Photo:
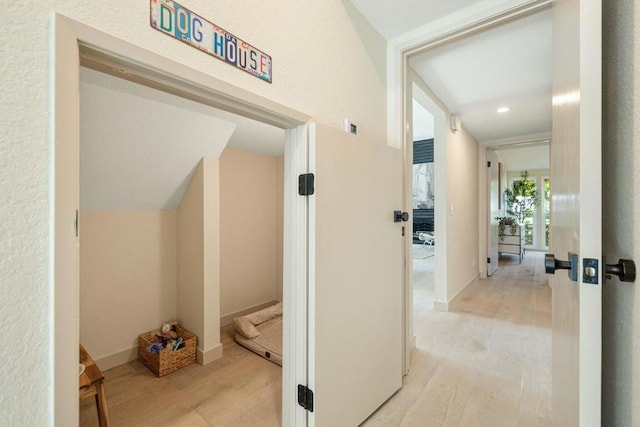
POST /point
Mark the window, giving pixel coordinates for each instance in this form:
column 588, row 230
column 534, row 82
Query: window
column 546, row 205
column 521, row 198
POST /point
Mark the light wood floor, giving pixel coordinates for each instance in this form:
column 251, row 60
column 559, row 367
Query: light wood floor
column 241, row 389
column 485, row 363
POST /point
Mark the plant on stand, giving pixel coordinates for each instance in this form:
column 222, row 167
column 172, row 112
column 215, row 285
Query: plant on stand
column 521, row 200
column 503, row 222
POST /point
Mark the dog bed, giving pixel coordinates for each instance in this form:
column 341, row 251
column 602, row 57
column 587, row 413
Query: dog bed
column 261, row 332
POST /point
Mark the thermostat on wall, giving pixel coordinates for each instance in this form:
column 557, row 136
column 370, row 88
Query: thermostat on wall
column 349, row 127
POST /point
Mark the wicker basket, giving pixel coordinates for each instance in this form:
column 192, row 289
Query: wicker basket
column 166, row 361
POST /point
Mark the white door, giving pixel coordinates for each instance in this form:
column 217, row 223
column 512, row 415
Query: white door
column 355, row 337
column 66, row 252
column 575, row 168
column 494, row 212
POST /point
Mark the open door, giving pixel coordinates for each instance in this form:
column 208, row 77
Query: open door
column 355, row 310
column 494, row 212
column 576, row 212
column 66, row 299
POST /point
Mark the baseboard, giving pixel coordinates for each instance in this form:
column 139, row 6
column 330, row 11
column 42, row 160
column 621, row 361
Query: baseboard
column 117, row 359
column 206, row 357
column 445, row 306
column 228, row 318
column 441, row 306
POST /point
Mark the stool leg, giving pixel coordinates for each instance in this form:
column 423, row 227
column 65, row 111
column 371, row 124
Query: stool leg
column 101, row 405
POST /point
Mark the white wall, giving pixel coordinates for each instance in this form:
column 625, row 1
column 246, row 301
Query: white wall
column 139, row 145
column 457, row 188
column 320, row 84
column 127, row 280
column 462, row 210
column 249, row 238
column 128, row 259
column 279, row 226
column 621, row 211
column 191, row 260
column 198, row 298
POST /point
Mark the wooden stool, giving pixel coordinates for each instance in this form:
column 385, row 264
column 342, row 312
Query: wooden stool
column 92, row 384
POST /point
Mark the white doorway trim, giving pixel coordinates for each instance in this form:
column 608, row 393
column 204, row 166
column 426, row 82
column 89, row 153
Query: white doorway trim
column 466, row 23
column 483, row 208
column 418, row 91
column 75, row 42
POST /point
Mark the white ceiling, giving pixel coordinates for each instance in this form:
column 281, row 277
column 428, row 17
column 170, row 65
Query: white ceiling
column 139, row 146
column 525, row 158
column 392, row 18
column 423, row 124
column 506, row 66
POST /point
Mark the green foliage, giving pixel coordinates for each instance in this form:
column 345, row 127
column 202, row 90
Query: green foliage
column 503, row 221
column 522, row 198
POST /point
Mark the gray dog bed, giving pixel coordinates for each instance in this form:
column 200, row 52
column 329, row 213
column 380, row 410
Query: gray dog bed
column 261, row 332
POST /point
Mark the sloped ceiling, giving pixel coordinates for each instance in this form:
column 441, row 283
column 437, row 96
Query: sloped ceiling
column 423, row 122
column 139, row 146
column 393, row 18
column 507, row 66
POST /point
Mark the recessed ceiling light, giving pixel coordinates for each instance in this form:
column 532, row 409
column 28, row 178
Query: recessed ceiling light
column 502, row 110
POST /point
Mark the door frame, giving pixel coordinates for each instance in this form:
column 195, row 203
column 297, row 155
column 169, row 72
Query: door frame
column 483, row 207
column 488, row 199
column 464, row 23
column 77, row 43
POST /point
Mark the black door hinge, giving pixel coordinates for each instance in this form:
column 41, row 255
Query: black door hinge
column 306, row 183
column 488, row 260
column 488, row 164
column 305, row 397
column 75, row 225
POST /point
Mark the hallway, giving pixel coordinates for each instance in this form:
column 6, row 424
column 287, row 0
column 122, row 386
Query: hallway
column 487, row 362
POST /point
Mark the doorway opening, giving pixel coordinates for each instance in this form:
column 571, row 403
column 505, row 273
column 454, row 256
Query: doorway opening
column 423, row 227
column 459, row 258
column 145, row 156
column 77, row 44
column 517, row 215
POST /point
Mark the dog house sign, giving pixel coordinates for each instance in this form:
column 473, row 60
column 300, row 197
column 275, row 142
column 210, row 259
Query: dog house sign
column 179, row 22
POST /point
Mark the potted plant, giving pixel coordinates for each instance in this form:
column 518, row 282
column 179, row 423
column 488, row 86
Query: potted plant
column 503, row 222
column 522, row 197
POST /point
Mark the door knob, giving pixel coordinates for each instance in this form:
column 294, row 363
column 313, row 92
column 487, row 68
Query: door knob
column 625, row 269
column 400, row 216
column 551, row 264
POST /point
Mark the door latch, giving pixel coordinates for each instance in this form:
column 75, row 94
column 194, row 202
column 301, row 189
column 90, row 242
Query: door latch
column 625, row 269
column 590, row 271
column 399, row 216
column 551, row 264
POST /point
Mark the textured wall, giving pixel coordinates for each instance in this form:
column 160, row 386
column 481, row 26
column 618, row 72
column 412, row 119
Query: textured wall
column 198, row 302
column 309, row 74
column 621, row 211
column 191, row 259
column 248, row 239
column 139, row 146
column 279, row 225
column 327, row 63
column 127, row 278
column 25, row 319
